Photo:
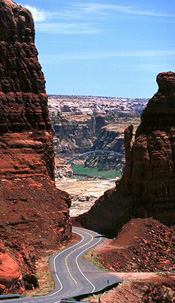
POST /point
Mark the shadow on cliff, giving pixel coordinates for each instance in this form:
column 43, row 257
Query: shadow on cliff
column 34, row 214
column 147, row 187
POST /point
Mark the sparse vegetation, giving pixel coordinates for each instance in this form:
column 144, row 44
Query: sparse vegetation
column 96, row 298
column 92, row 256
column 44, row 276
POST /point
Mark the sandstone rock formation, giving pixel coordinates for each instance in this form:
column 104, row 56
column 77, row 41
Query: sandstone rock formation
column 111, row 139
column 147, row 188
column 73, row 133
column 34, row 214
column 142, row 251
column 10, row 274
column 79, row 128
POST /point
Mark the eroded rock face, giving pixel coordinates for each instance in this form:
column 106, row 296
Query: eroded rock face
column 10, row 273
column 34, row 214
column 109, row 138
column 147, row 188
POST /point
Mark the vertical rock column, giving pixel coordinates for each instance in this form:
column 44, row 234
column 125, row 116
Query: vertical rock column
column 34, row 214
column 147, row 187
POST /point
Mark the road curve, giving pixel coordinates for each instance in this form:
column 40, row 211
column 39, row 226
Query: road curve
column 72, row 274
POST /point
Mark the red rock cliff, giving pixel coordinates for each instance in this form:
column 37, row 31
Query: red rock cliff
column 34, row 214
column 147, row 188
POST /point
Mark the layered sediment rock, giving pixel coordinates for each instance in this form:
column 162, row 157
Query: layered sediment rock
column 73, row 133
column 76, row 133
column 110, row 139
column 147, row 188
column 34, row 214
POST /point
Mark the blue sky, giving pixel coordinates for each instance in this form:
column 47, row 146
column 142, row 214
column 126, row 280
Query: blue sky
column 106, row 47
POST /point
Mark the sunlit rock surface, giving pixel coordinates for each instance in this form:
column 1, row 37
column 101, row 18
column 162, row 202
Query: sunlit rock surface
column 147, row 188
column 34, row 214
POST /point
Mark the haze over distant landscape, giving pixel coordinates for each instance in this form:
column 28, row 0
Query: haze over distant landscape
column 106, row 48
column 85, row 180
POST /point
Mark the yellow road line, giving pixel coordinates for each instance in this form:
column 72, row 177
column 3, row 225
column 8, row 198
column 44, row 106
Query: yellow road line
column 73, row 252
column 69, row 270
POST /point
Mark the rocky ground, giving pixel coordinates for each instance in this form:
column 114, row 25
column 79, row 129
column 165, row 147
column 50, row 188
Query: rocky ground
column 159, row 289
column 143, row 255
column 147, row 186
column 34, row 214
column 83, row 193
column 143, row 245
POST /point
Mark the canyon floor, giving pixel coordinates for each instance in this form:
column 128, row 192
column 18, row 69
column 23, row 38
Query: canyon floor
column 145, row 279
column 83, row 193
column 143, row 253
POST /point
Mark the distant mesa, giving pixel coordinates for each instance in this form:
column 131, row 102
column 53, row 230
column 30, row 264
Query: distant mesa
column 34, row 214
column 87, row 124
column 147, row 187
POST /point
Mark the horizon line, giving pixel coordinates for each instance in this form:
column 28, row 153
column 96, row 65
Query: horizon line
column 98, row 96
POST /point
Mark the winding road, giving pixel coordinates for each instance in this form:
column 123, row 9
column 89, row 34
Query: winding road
column 72, row 274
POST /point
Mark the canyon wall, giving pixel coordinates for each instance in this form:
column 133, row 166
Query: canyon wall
column 75, row 133
column 34, row 214
column 85, row 123
column 109, row 138
column 147, row 187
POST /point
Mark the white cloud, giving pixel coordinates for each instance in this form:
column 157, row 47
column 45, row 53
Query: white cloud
column 101, row 8
column 46, row 22
column 108, row 54
column 38, row 14
column 80, row 11
column 66, row 28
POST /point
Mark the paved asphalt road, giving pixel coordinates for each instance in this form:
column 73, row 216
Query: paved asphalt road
column 72, row 274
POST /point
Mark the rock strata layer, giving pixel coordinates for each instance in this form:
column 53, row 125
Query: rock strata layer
column 110, row 139
column 34, row 214
column 147, row 188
